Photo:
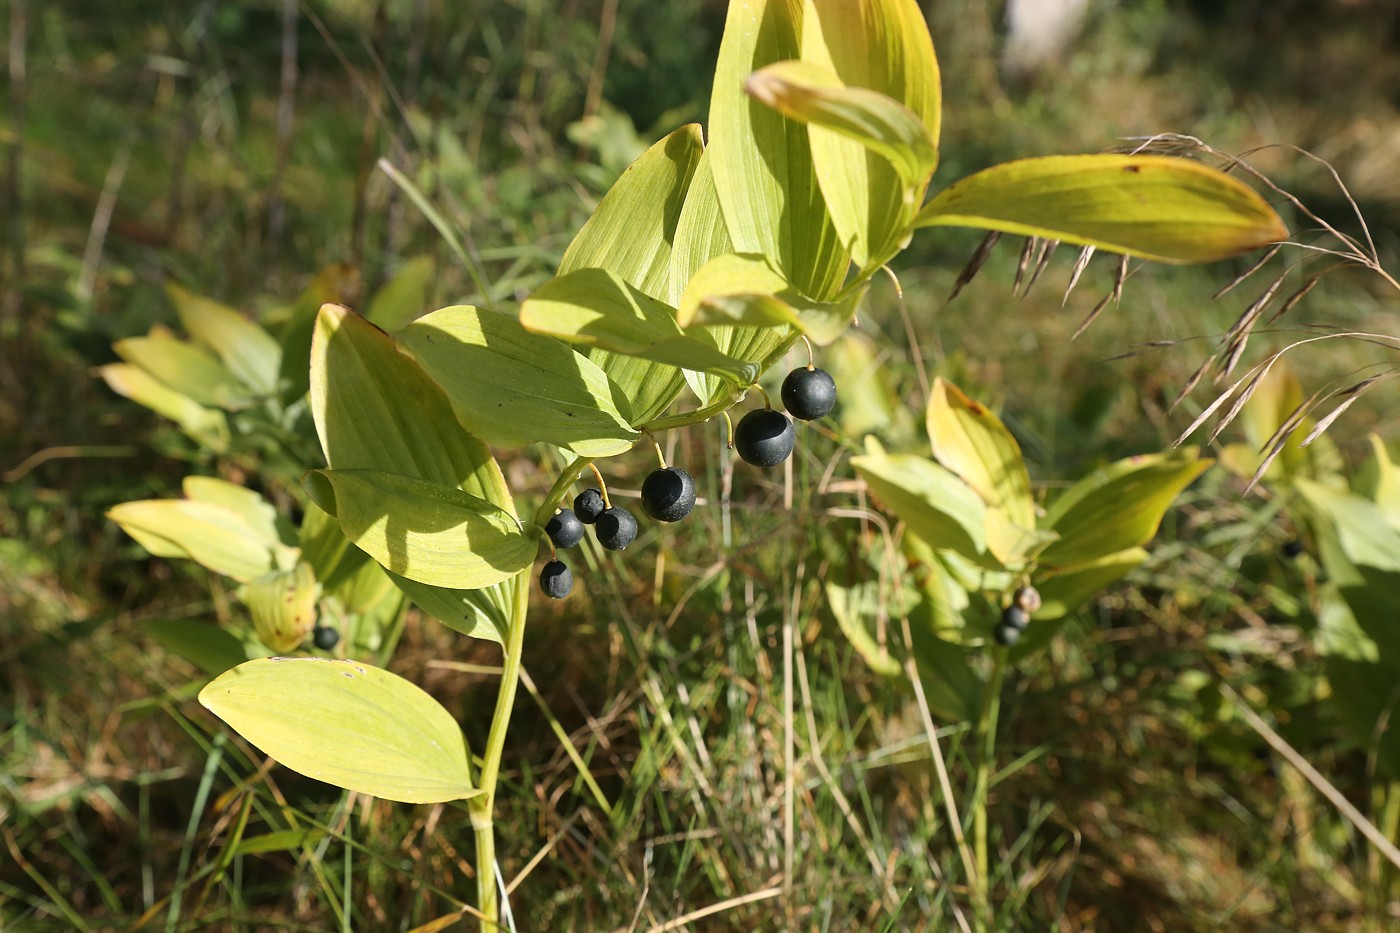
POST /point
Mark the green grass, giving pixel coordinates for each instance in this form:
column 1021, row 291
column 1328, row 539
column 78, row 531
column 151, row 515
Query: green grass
column 1126, row 795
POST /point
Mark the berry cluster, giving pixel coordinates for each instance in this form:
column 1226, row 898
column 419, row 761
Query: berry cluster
column 1015, row 617
column 763, row 437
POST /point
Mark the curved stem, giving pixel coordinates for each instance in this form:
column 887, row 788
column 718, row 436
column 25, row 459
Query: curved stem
column 717, row 407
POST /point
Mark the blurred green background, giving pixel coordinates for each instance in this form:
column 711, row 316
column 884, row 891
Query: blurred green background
column 232, row 148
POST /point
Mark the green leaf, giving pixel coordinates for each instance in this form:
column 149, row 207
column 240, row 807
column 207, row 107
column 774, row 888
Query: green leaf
column 405, row 297
column 1366, row 537
column 972, row 442
column 205, row 645
column 1011, row 543
column 376, row 409
column 205, row 425
column 1118, row 506
column 630, row 234
column 255, row 511
column 931, row 500
column 283, row 606
column 851, row 606
column 248, row 351
column 1387, row 482
column 348, row 724
column 427, row 532
column 735, row 276
column 211, row 535
column 762, row 161
column 336, row 284
column 1157, row 207
column 482, row 613
column 184, row 367
column 595, row 307
column 814, row 95
column 700, row 231
column 284, row 840
column 511, row 387
column 883, row 46
column 1071, row 587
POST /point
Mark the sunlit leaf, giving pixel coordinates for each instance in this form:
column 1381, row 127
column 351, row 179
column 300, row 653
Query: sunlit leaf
column 972, row 442
column 595, row 307
column 427, row 532
column 248, row 351
column 255, row 511
column 1117, row 507
column 283, row 606
column 348, row 724
column 205, row 425
column 1011, row 543
column 184, row 367
column 1366, row 538
column 1071, row 587
column 405, row 297
column 480, row 613
column 1157, row 207
column 931, row 500
column 762, row 161
column 511, row 387
column 211, row 535
column 851, row 607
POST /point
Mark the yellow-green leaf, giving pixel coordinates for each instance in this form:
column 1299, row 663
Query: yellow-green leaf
column 931, row 500
column 1118, row 507
column 213, row 536
column 1012, row 543
column 745, row 289
column 1068, row 588
column 972, row 442
column 186, row 368
column 205, row 425
column 283, row 606
column 1157, row 207
column 427, row 532
column 595, row 307
column 511, row 387
column 851, row 607
column 883, row 46
column 482, row 613
column 346, row 723
column 405, row 297
column 255, row 511
column 762, row 161
column 246, row 349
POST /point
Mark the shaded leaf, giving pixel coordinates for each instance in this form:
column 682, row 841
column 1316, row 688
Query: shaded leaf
column 427, row 532
column 348, row 724
column 1068, row 588
column 1118, row 507
column 206, row 646
column 1156, row 207
column 851, row 607
column 931, row 500
column 480, row 613
column 405, row 297
column 248, row 351
column 511, row 387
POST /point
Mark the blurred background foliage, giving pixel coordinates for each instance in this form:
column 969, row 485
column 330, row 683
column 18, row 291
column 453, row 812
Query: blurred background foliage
column 232, row 149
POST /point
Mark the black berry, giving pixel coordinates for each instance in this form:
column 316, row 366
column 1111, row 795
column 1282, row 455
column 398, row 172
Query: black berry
column 564, row 529
column 1292, row 549
column 325, row 637
column 1007, row 635
column 588, row 505
column 668, row 494
column 556, row 579
column 809, row 394
column 616, row 528
column 1028, row 598
column 764, row 438
column 1014, row 617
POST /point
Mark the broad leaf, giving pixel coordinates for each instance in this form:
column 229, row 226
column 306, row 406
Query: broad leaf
column 1366, row 538
column 1014, row 545
column 1387, row 482
column 348, row 724
column 1071, row 587
column 213, row 536
column 255, row 511
column 248, row 351
column 630, row 234
column 427, row 532
column 511, row 387
column 812, row 94
column 283, row 606
column 376, row 409
column 851, row 606
column 972, row 442
column 762, row 161
column 205, row 645
column 1117, row 507
column 404, row 298
column 205, row 425
column 482, row 613
column 883, row 46
column 700, row 232
column 595, row 307
column 930, row 500
column 1157, row 207
column 184, row 367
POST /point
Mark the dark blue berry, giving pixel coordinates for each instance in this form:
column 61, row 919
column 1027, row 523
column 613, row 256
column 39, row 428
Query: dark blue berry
column 325, row 637
column 616, row 528
column 809, row 394
column 588, row 505
column 564, row 529
column 556, row 579
column 668, row 494
column 764, row 438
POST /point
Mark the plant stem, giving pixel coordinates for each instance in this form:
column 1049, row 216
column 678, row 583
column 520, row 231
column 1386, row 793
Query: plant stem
column 482, row 806
column 986, row 754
